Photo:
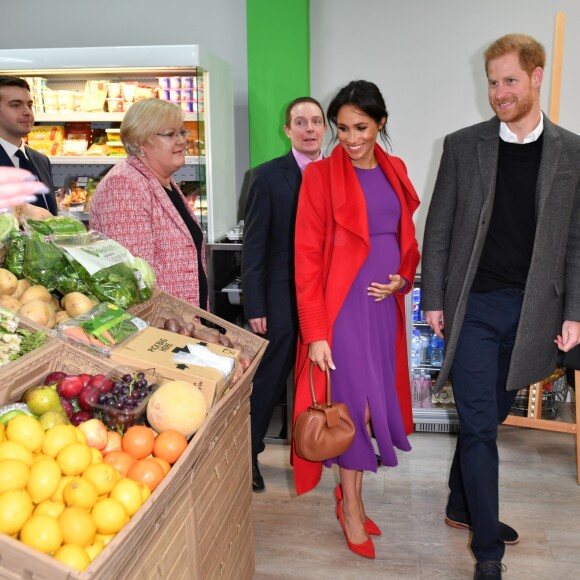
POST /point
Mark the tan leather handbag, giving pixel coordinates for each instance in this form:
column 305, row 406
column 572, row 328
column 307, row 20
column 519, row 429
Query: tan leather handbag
column 325, row 430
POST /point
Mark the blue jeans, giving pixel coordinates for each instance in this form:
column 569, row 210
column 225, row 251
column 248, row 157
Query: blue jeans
column 479, row 373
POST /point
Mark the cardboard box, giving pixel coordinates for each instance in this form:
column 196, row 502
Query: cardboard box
column 163, row 306
column 157, row 348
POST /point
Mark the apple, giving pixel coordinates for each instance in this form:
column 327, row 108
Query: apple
column 86, row 379
column 54, row 377
column 69, row 386
column 102, row 382
column 95, row 432
column 113, row 442
column 80, row 417
column 67, row 407
column 88, row 398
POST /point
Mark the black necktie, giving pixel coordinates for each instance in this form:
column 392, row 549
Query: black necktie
column 46, row 201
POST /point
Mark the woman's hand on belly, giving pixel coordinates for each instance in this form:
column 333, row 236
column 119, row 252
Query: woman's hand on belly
column 380, row 291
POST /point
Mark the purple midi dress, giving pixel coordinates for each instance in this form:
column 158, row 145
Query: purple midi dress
column 363, row 337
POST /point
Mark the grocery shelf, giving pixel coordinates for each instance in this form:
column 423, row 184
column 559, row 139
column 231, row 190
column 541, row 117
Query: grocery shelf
column 111, row 160
column 97, row 117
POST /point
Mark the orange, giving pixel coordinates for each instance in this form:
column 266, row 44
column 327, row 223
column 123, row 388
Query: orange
column 164, row 464
column 138, row 441
column 120, row 460
column 169, row 445
column 147, row 471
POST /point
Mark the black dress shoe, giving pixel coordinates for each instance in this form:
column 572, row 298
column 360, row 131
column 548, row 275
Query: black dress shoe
column 461, row 522
column 257, row 479
column 488, row 570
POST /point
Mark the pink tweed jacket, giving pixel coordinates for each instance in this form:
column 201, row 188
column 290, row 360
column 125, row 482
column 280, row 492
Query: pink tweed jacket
column 131, row 207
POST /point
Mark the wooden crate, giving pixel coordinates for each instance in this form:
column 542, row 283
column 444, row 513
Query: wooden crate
column 198, row 522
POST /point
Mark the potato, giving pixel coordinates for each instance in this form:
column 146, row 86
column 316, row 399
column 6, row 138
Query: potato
column 207, row 335
column 55, row 304
column 8, row 282
column 23, row 285
column 10, row 302
column 61, row 316
column 38, row 311
column 225, row 341
column 172, row 325
column 36, row 293
column 76, row 303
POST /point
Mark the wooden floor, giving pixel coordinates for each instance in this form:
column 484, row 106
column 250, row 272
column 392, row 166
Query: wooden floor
column 300, row 538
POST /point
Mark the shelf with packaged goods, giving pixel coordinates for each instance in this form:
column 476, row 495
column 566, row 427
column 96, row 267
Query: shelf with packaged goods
column 97, row 117
column 102, row 160
column 212, row 107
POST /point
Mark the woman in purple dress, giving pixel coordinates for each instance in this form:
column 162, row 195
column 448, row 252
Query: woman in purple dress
column 356, row 256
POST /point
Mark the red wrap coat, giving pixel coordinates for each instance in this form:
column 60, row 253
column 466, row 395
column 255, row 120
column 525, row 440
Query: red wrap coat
column 332, row 242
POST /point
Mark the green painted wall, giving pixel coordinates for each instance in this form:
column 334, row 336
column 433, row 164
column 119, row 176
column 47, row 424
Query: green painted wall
column 278, row 70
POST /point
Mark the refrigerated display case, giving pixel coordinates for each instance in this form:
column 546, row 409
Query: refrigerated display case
column 431, row 412
column 208, row 174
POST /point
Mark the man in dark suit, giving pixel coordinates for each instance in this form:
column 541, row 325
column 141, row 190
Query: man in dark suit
column 16, row 121
column 268, row 263
column 501, row 275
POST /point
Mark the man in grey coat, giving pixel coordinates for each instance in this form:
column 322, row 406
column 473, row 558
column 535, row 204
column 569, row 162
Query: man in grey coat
column 501, row 275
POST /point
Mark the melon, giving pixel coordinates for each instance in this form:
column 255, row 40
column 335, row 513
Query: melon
column 177, row 405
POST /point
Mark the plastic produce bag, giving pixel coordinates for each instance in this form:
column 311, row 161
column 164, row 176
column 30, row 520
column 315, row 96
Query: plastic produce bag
column 104, row 266
column 16, row 244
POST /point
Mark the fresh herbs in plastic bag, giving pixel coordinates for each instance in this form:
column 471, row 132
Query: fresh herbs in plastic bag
column 15, row 252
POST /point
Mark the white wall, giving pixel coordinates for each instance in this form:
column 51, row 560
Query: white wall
column 219, row 26
column 426, row 57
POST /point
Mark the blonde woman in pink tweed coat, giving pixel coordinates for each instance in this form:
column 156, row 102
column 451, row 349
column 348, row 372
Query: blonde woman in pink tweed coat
column 139, row 205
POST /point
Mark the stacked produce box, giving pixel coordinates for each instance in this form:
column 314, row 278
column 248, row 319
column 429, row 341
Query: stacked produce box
column 86, row 440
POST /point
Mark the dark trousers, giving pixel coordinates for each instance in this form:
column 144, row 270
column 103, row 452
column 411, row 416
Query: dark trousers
column 479, row 375
column 270, row 380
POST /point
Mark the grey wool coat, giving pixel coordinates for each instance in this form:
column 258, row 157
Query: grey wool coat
column 455, row 232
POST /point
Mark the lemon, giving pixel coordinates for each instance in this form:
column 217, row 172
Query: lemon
column 2, row 432
column 129, row 494
column 74, row 458
column 42, row 533
column 78, row 527
column 27, row 431
column 110, row 515
column 103, row 475
column 43, row 479
column 95, row 549
column 145, row 491
column 58, row 437
column 49, row 507
column 81, row 437
column 57, row 496
column 13, row 474
column 74, row 556
column 13, row 450
column 15, row 508
column 97, row 455
column 105, row 538
column 80, row 492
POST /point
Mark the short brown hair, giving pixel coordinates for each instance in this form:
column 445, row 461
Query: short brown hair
column 530, row 52
column 291, row 105
column 145, row 118
column 8, row 81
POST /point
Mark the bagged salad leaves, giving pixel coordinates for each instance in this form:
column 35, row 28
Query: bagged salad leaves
column 44, row 263
column 104, row 266
column 16, row 244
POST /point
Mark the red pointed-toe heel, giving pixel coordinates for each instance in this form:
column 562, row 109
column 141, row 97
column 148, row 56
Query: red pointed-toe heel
column 366, row 549
column 370, row 527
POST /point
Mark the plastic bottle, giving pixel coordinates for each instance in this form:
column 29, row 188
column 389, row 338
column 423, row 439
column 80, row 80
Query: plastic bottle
column 416, row 348
column 416, row 303
column 416, row 386
column 425, row 344
column 426, row 386
column 436, row 351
